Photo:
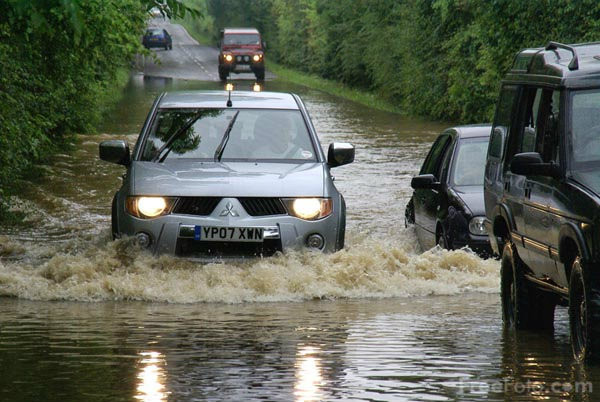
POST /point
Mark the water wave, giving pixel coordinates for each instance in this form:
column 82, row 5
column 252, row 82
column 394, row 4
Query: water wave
column 370, row 267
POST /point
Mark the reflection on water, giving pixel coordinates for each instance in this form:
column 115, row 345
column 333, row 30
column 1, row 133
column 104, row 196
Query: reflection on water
column 448, row 348
column 152, row 378
column 308, row 374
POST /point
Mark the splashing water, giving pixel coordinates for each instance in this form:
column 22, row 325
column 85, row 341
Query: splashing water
column 369, row 267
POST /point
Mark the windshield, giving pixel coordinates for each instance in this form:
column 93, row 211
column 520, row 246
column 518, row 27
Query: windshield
column 469, row 164
column 585, row 124
column 256, row 134
column 241, row 39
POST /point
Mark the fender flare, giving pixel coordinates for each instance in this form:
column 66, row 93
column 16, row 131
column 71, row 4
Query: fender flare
column 503, row 211
column 573, row 232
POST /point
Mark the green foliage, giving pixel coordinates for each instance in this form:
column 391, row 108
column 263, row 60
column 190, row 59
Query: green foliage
column 442, row 59
column 58, row 57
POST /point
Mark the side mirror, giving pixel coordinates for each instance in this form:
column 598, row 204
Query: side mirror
column 115, row 151
column 340, row 153
column 264, row 45
column 532, row 164
column 425, row 182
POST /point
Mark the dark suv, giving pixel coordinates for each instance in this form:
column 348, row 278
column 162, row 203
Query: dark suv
column 241, row 50
column 542, row 191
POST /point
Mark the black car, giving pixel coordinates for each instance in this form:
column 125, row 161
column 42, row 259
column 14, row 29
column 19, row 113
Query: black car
column 447, row 204
column 542, row 191
column 157, row 37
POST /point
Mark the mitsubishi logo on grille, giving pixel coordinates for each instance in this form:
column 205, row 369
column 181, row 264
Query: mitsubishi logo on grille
column 229, row 210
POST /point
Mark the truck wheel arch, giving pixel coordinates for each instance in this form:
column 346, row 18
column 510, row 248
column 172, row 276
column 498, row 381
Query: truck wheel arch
column 571, row 236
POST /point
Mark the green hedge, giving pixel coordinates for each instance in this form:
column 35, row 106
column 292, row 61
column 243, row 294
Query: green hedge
column 57, row 60
column 442, row 59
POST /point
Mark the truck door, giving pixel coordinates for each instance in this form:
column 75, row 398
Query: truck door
column 542, row 220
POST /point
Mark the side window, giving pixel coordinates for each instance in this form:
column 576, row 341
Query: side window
column 445, row 159
column 549, row 147
column 523, row 137
column 433, row 161
column 529, row 127
column 502, row 121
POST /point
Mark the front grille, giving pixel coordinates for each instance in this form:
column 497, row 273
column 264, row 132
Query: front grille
column 191, row 248
column 196, row 205
column 256, row 206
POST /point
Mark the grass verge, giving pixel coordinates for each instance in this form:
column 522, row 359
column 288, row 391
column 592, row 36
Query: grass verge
column 366, row 98
column 203, row 38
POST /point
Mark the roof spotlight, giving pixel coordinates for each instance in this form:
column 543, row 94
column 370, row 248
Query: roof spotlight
column 229, row 86
column 257, row 87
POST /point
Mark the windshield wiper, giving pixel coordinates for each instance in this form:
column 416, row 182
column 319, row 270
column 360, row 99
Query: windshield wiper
column 172, row 138
column 223, row 144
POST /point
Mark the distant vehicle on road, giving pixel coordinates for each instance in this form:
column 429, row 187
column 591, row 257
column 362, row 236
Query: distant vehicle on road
column 447, row 204
column 241, row 50
column 157, row 37
column 542, row 191
column 213, row 178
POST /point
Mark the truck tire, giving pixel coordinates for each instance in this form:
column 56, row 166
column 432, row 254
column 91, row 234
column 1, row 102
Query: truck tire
column 260, row 74
column 114, row 221
column 341, row 237
column 223, row 73
column 584, row 313
column 523, row 305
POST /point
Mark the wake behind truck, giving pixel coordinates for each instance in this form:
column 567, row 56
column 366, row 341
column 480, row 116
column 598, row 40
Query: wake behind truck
column 241, row 50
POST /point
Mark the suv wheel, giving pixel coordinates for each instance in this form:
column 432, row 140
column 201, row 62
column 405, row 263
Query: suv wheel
column 584, row 313
column 523, row 306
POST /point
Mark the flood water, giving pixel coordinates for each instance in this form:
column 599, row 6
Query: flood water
column 88, row 319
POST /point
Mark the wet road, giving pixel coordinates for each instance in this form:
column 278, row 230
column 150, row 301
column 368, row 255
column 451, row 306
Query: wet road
column 90, row 319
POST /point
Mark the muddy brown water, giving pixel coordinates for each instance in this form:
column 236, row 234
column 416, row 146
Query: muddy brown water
column 87, row 319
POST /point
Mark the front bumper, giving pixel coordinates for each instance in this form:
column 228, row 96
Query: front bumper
column 174, row 234
column 156, row 44
column 240, row 64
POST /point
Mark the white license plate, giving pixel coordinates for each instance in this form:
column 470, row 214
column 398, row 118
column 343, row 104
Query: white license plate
column 217, row 233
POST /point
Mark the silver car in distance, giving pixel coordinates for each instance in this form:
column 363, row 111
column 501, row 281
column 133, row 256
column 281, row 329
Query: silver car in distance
column 218, row 174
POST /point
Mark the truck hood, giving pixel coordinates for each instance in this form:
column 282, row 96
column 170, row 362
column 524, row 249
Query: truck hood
column 227, row 179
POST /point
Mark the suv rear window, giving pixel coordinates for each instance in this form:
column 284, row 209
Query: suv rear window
column 154, row 32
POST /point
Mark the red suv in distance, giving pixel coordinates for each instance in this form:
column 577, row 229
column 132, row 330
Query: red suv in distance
column 241, row 50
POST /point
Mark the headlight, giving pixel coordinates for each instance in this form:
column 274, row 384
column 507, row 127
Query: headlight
column 309, row 208
column 228, row 57
column 477, row 226
column 256, row 57
column 149, row 207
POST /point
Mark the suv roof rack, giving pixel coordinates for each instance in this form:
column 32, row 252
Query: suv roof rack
column 574, row 64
